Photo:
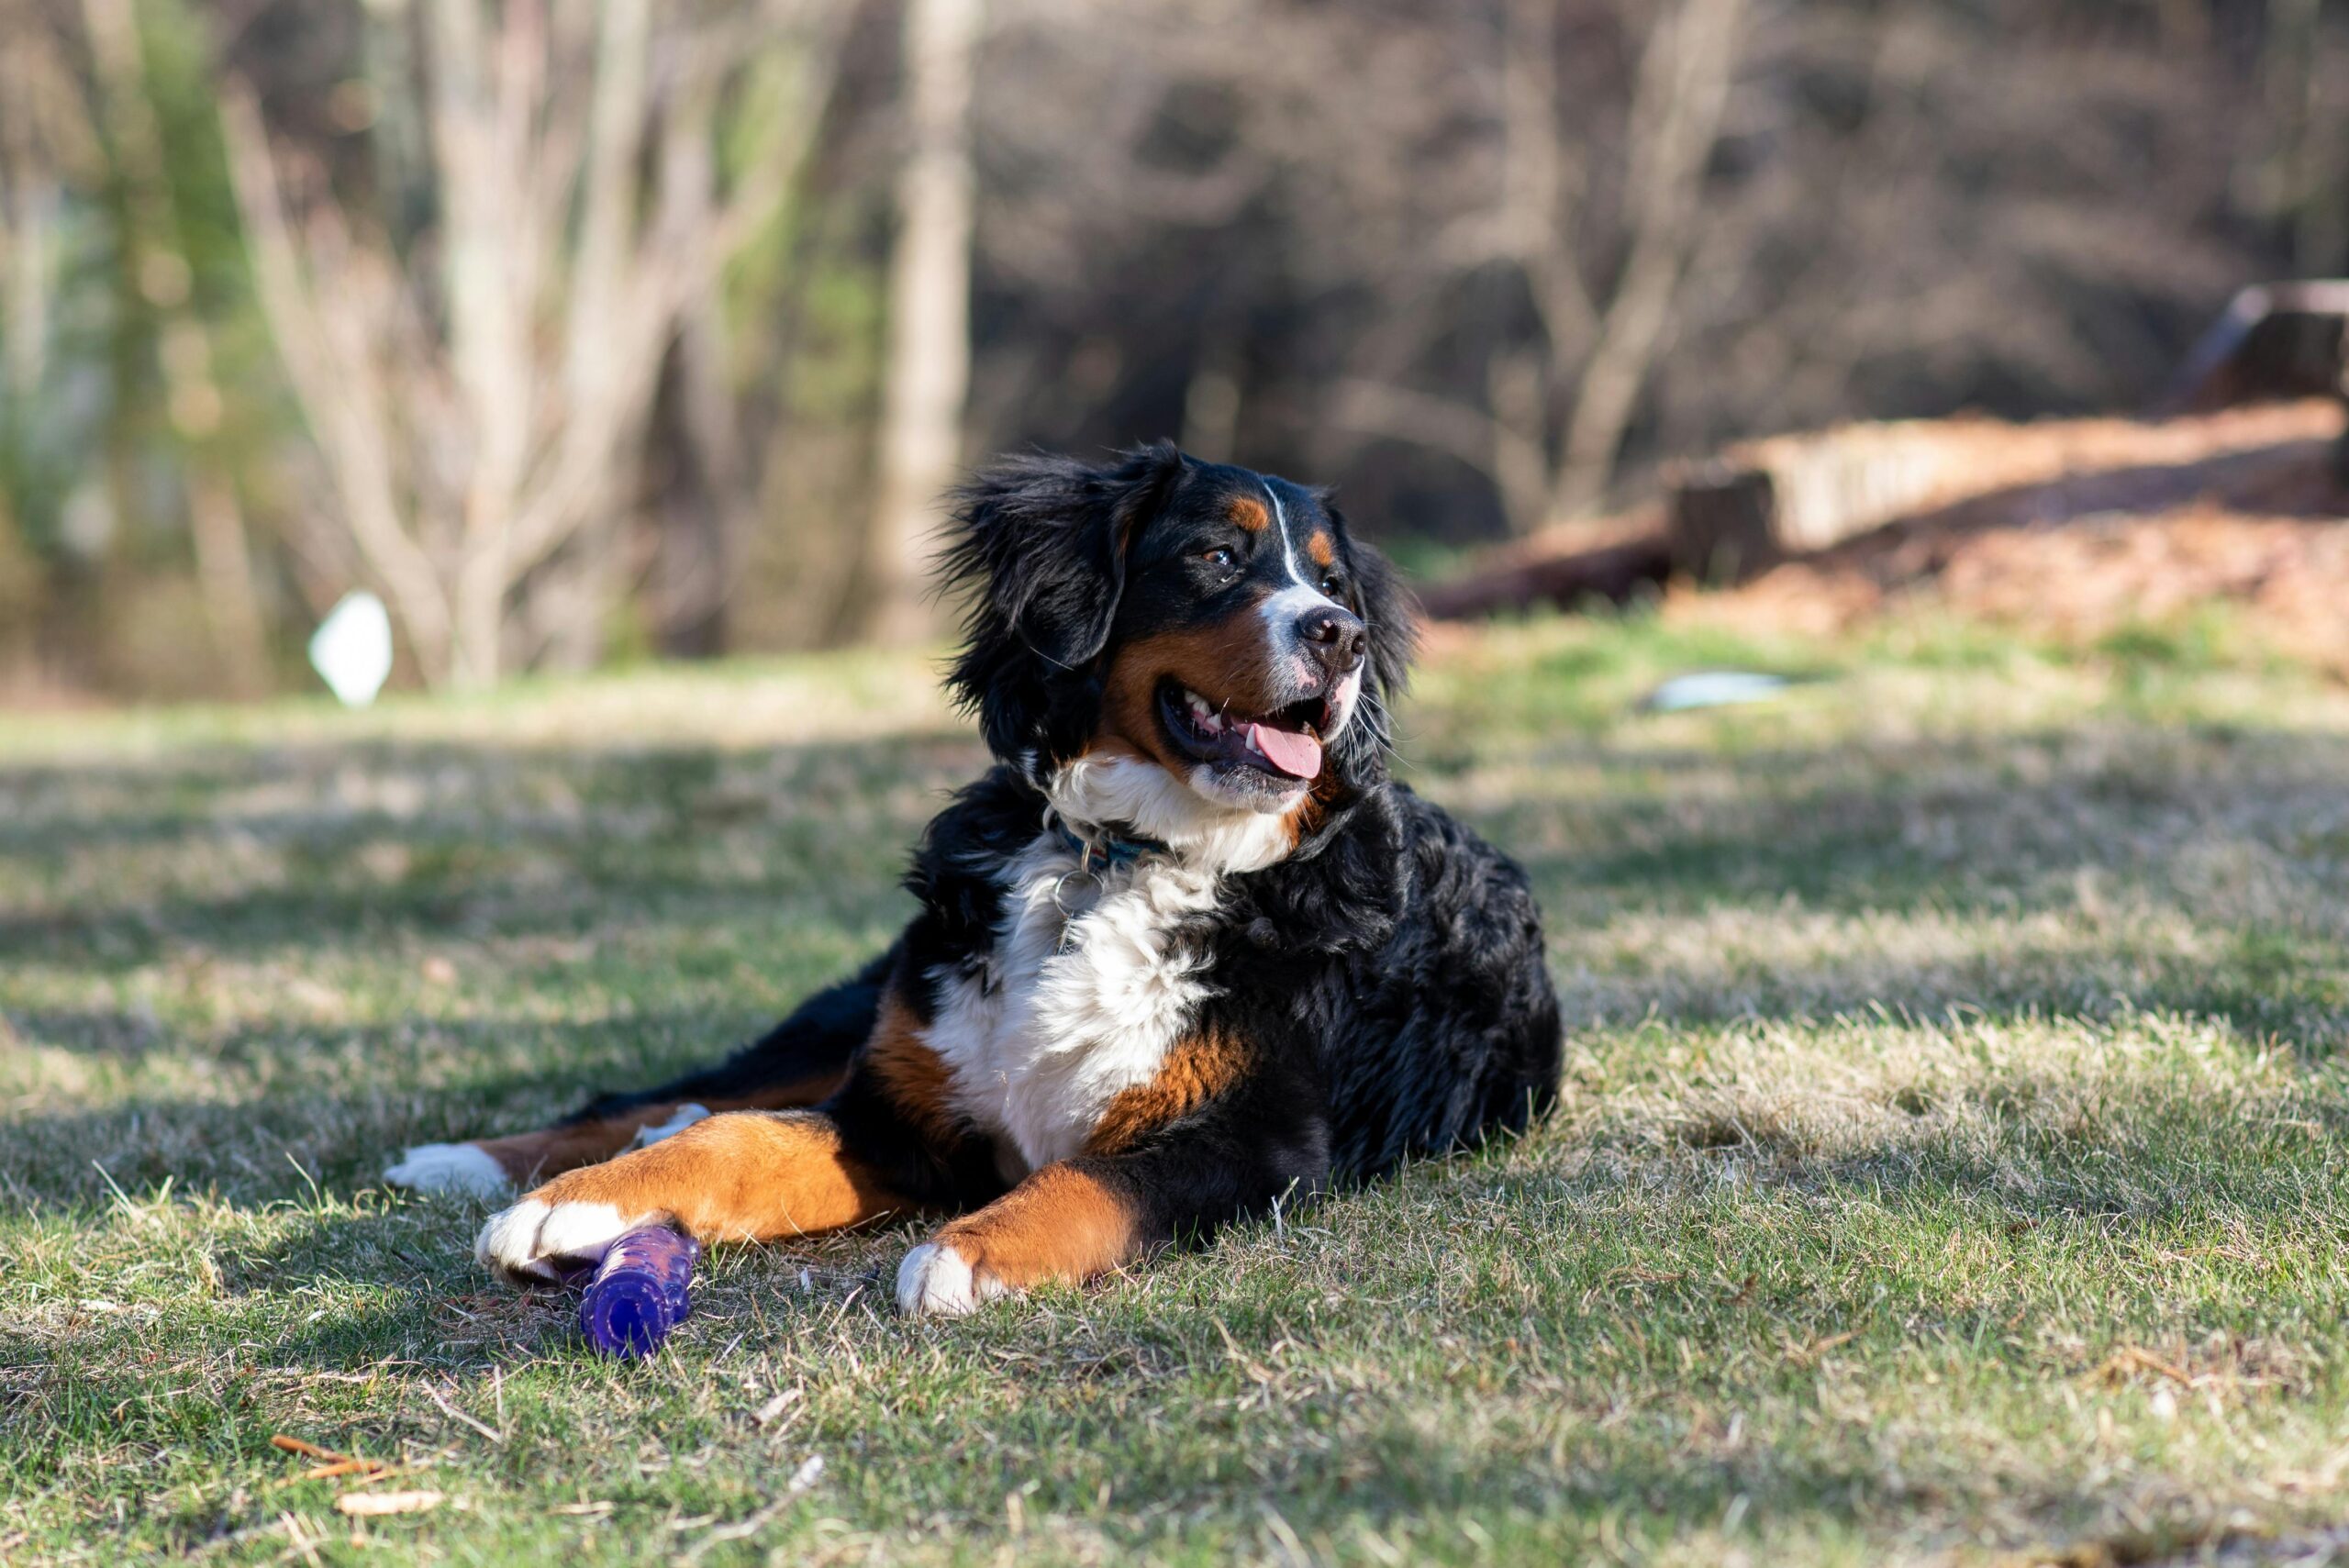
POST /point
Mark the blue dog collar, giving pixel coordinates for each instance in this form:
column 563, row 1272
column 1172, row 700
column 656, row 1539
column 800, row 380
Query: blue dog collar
column 1108, row 845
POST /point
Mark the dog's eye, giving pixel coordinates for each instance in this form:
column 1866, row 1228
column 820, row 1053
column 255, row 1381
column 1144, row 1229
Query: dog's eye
column 1222, row 556
column 1330, row 585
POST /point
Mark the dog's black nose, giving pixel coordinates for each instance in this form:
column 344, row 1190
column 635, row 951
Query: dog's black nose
column 1336, row 640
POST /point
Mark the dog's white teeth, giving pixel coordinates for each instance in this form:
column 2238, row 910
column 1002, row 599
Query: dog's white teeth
column 1203, row 712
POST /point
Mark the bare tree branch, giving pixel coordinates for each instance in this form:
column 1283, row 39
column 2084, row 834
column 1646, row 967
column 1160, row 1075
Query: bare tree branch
column 337, row 387
column 1684, row 80
column 482, row 451
column 929, row 333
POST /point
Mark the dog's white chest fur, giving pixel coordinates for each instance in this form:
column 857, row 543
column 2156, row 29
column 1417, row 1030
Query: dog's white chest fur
column 1090, row 982
column 1094, row 977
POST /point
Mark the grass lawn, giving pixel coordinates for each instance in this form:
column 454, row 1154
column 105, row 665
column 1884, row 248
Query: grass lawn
column 1950, row 1167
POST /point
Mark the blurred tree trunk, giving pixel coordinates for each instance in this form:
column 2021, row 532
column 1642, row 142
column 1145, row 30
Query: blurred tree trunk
column 1685, row 78
column 701, row 477
column 697, row 483
column 20, row 586
column 157, row 260
column 30, row 79
column 930, row 333
column 47, row 149
column 2301, row 179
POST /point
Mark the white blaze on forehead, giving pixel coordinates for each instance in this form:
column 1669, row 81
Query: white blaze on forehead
column 1285, row 609
column 1288, row 554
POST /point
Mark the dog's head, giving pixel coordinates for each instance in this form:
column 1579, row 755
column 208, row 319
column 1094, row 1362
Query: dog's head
column 1210, row 638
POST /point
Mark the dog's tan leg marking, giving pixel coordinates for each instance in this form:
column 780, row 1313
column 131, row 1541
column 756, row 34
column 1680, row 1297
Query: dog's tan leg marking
column 1072, row 1220
column 1063, row 1222
column 744, row 1176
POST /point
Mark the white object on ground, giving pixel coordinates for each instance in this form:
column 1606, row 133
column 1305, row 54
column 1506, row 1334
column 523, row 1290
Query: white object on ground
column 351, row 649
column 1714, row 688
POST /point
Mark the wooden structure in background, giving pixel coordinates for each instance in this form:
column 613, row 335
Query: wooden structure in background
column 1799, row 498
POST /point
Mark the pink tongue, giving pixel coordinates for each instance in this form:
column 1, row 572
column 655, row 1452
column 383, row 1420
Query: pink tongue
column 1291, row 750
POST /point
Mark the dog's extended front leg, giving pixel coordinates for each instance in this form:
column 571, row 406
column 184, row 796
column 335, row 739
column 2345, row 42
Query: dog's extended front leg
column 1077, row 1219
column 800, row 1061
column 742, row 1176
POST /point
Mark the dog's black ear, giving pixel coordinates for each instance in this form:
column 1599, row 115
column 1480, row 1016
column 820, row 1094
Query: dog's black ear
column 1038, row 548
column 1391, row 612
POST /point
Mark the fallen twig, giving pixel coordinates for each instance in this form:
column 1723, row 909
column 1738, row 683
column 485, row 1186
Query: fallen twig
column 335, row 1464
column 2118, row 1367
column 809, row 1470
column 308, row 1451
column 492, row 1433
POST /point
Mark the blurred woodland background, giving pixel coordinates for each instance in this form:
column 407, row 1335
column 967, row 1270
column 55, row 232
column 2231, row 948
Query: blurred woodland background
column 595, row 330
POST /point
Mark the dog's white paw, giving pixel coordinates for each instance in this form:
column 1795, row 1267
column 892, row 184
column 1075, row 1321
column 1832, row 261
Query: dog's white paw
column 539, row 1241
column 679, row 1119
column 465, row 1169
column 937, row 1281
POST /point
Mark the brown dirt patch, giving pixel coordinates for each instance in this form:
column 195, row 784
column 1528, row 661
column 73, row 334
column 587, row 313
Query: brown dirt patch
column 2087, row 526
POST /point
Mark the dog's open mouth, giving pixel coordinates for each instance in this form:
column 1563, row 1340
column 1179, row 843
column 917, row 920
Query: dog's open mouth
column 1284, row 745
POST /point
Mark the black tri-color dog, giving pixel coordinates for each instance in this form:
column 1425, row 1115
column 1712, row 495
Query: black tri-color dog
column 1183, row 954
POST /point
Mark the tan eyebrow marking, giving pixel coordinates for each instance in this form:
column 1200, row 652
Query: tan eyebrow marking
column 1322, row 549
column 1250, row 514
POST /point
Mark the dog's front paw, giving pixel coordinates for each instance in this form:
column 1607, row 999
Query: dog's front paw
column 547, row 1237
column 937, row 1280
column 465, row 1169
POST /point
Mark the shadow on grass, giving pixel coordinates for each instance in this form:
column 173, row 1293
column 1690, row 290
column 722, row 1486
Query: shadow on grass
column 332, row 847
column 1993, row 823
column 329, row 1108
column 326, row 846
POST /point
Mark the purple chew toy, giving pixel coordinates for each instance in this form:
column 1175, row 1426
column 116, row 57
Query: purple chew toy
column 642, row 1289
